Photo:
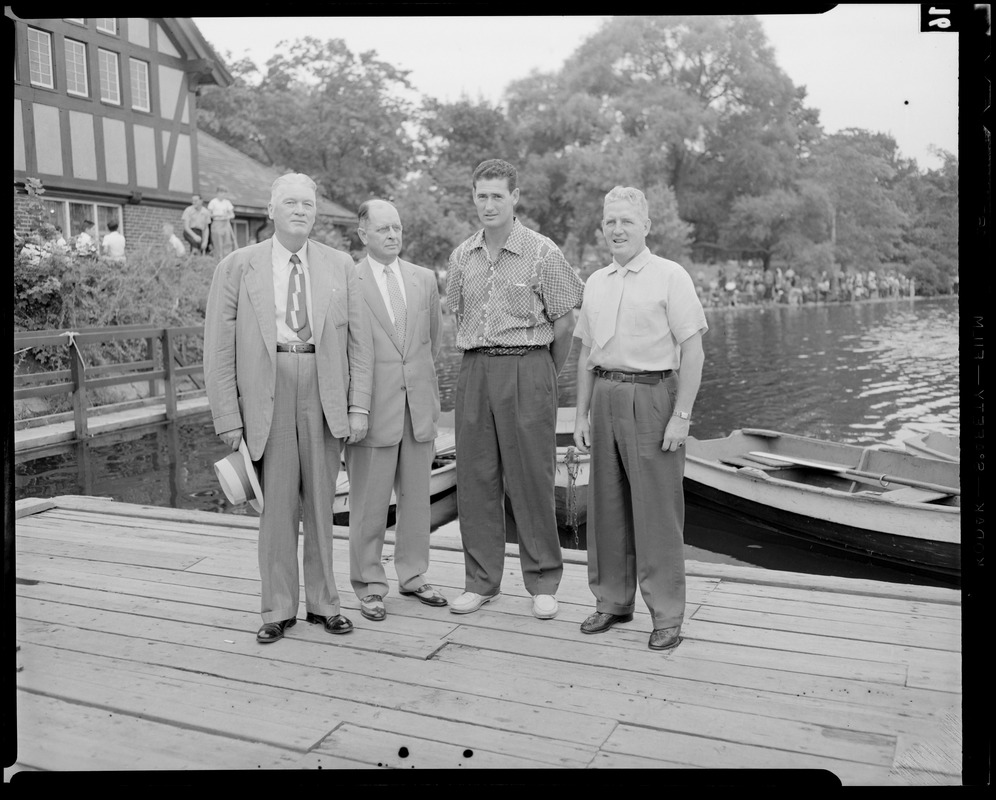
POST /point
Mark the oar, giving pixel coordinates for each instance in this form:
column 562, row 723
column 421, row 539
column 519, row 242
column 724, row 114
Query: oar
column 860, row 474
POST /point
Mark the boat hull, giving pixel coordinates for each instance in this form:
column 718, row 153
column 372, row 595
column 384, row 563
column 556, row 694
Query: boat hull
column 442, row 496
column 830, row 510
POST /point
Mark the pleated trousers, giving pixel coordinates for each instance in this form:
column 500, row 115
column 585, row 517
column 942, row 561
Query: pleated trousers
column 506, row 418
column 374, row 472
column 636, row 506
column 300, row 465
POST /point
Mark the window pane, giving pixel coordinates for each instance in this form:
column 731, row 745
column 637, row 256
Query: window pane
column 110, row 90
column 40, row 57
column 77, row 20
column 55, row 214
column 78, row 213
column 107, row 24
column 107, row 214
column 139, row 85
column 76, row 79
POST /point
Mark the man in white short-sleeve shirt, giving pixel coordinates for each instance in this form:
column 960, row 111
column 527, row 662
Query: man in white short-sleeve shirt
column 639, row 369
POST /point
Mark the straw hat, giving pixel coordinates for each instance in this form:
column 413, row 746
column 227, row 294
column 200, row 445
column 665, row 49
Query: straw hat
column 238, row 478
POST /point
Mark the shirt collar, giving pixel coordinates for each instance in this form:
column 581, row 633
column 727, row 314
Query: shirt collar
column 379, row 268
column 282, row 254
column 514, row 243
column 638, row 262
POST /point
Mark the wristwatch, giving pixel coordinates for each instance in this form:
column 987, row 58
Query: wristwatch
column 682, row 415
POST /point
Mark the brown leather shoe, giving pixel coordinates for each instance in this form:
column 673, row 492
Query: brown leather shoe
column 336, row 624
column 665, row 638
column 600, row 621
column 274, row 631
column 372, row 607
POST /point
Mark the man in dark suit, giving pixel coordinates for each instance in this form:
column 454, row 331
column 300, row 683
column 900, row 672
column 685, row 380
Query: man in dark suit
column 288, row 362
column 402, row 301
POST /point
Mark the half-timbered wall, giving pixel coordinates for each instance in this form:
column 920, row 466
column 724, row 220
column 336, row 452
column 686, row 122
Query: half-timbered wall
column 123, row 125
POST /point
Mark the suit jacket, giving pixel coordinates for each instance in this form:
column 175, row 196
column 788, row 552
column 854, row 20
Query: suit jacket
column 240, row 340
column 403, row 371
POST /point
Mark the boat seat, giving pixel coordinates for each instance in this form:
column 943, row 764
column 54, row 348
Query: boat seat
column 909, row 494
column 754, row 462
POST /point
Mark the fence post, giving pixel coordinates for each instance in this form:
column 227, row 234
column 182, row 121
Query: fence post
column 150, row 354
column 78, row 373
column 169, row 385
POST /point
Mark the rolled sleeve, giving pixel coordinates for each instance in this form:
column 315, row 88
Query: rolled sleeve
column 684, row 310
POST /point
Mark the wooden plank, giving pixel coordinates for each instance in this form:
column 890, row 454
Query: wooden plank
column 846, row 710
column 900, row 617
column 31, row 505
column 85, row 739
column 791, row 595
column 697, row 751
column 120, row 554
column 379, row 748
column 862, row 631
column 335, row 670
column 273, row 714
column 606, row 652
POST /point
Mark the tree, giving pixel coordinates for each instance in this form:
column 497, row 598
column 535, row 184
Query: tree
column 323, row 110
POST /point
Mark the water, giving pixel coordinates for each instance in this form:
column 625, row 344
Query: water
column 867, row 372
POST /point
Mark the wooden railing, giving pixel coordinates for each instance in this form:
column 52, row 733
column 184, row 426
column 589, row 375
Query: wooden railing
column 165, row 360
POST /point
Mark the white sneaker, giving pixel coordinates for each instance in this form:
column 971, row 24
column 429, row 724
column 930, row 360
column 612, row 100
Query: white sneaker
column 545, row 606
column 469, row 602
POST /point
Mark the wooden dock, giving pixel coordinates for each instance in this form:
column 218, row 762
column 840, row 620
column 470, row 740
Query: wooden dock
column 136, row 632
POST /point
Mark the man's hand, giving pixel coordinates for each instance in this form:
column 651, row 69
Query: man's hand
column 675, row 434
column 582, row 433
column 232, row 438
column 357, row 428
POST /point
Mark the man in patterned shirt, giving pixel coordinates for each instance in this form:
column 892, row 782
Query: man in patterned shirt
column 513, row 293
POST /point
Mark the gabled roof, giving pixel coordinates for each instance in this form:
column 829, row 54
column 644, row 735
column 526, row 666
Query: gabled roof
column 209, row 68
column 248, row 181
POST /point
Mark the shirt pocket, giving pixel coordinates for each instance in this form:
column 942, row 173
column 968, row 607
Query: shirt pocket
column 523, row 302
column 644, row 319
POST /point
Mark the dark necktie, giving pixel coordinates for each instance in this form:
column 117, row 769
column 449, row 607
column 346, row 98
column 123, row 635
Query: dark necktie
column 297, row 301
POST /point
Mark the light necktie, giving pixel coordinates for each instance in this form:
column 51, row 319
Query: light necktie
column 397, row 304
column 605, row 324
column 297, row 301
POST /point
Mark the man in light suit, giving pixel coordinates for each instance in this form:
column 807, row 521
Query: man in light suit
column 288, row 363
column 402, row 301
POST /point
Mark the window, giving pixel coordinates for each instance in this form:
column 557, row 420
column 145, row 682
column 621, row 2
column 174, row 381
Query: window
column 40, row 58
column 76, row 77
column 76, row 20
column 139, row 85
column 107, row 25
column 110, row 89
column 70, row 215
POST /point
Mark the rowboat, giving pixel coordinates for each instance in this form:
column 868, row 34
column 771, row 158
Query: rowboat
column 888, row 505
column 935, row 444
column 442, row 486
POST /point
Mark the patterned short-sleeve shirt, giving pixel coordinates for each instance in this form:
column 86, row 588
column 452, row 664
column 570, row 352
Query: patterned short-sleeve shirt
column 513, row 300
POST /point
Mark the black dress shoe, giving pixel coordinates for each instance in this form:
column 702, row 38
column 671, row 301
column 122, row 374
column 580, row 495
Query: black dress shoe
column 336, row 624
column 273, row 631
column 600, row 621
column 665, row 638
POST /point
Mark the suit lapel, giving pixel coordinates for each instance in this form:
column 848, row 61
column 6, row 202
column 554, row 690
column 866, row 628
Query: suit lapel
column 413, row 300
column 322, row 289
column 259, row 286
column 375, row 301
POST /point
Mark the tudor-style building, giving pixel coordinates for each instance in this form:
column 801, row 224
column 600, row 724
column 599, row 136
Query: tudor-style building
column 105, row 115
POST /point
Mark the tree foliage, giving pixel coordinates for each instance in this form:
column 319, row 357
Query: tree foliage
column 694, row 110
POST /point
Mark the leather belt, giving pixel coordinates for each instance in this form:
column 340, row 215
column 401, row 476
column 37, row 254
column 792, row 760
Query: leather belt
column 295, row 348
column 650, row 378
column 508, row 351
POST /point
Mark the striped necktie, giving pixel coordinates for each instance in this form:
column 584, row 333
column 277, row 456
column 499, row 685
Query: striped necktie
column 297, row 301
column 397, row 304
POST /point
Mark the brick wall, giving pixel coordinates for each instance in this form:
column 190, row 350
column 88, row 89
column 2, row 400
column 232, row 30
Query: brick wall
column 143, row 224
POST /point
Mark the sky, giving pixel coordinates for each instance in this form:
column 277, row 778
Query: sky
column 864, row 65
